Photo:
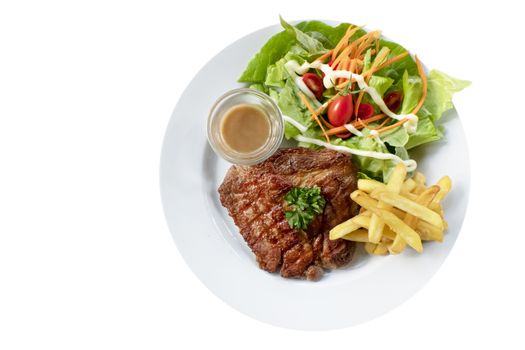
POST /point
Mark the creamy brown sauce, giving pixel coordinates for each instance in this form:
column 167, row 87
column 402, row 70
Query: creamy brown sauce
column 245, row 128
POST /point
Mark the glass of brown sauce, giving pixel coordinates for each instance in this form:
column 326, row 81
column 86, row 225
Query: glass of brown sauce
column 245, row 126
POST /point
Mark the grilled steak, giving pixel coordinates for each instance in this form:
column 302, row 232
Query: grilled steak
column 254, row 197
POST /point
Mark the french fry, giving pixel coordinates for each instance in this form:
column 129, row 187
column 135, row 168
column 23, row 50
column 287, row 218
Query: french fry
column 408, row 186
column 368, row 185
column 396, row 224
column 418, row 189
column 429, row 232
column 445, row 184
column 400, row 213
column 397, row 178
column 424, row 199
column 394, row 185
column 370, row 247
column 359, row 235
column 411, row 207
column 348, row 226
column 398, row 245
column 381, row 249
column 389, row 234
column 436, row 207
column 419, row 178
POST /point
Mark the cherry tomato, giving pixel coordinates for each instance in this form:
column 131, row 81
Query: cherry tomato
column 393, row 100
column 315, row 84
column 365, row 111
column 341, row 110
column 344, row 136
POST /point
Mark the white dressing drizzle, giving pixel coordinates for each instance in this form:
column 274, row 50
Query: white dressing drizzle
column 410, row 163
column 375, row 135
column 293, row 69
column 353, row 129
column 329, row 80
column 295, row 123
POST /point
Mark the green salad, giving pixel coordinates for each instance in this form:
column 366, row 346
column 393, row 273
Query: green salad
column 351, row 90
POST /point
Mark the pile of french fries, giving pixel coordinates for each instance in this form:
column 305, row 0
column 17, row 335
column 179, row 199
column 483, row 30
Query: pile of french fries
column 396, row 214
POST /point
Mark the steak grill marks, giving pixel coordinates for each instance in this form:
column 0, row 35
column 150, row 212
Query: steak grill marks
column 254, row 198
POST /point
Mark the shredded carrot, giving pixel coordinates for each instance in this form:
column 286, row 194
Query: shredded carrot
column 344, row 65
column 358, row 124
column 353, row 65
column 357, row 43
column 377, row 61
column 393, row 126
column 423, row 76
column 366, row 43
column 364, row 46
column 358, row 101
column 381, row 55
column 387, row 63
column 344, row 54
column 360, row 121
column 352, row 68
column 344, row 40
column 382, row 124
column 314, row 116
column 327, row 124
column 372, row 119
column 324, row 56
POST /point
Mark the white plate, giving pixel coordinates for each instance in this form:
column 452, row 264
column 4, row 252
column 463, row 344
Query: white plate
column 190, row 174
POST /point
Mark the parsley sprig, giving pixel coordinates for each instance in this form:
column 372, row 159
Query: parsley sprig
column 303, row 204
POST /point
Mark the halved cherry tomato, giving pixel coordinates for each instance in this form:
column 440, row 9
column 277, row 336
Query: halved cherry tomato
column 393, row 100
column 341, row 110
column 315, row 84
column 344, row 136
column 365, row 111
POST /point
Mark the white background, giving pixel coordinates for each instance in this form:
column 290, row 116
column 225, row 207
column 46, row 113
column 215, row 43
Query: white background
column 86, row 259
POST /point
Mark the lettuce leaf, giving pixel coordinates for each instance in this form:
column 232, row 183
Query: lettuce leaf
column 440, row 90
column 275, row 48
column 309, row 43
column 412, row 91
column 381, row 84
column 397, row 69
column 426, row 131
column 281, row 43
column 373, row 168
column 441, row 87
column 396, row 138
column 309, row 39
column 290, row 104
column 260, row 87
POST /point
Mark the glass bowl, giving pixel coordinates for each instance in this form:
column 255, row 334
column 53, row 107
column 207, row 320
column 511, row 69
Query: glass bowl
column 245, row 96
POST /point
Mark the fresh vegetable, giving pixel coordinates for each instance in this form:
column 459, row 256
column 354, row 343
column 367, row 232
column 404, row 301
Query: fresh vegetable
column 315, row 84
column 393, row 100
column 365, row 111
column 386, row 67
column 303, row 203
column 341, row 110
